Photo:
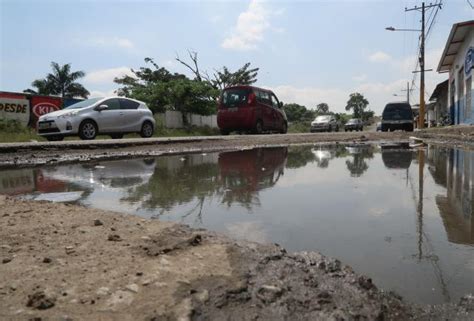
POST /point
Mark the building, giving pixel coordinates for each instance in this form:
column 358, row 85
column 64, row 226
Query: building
column 438, row 107
column 457, row 60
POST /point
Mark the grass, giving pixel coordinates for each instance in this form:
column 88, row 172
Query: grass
column 12, row 132
column 299, row 127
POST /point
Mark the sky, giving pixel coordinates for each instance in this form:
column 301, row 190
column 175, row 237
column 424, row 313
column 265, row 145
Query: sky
column 308, row 52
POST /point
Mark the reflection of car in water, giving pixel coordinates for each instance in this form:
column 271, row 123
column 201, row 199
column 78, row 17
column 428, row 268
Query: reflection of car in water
column 253, row 169
column 397, row 156
column 119, row 173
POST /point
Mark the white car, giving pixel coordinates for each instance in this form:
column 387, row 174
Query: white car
column 114, row 116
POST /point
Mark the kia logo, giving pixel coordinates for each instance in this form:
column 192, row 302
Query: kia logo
column 44, row 108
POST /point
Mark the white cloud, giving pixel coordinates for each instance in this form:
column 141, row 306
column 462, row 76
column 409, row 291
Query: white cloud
column 106, row 42
column 98, row 93
column 106, row 76
column 380, row 56
column 360, row 78
column 250, row 28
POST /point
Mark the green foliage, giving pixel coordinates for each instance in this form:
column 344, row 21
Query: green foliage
column 162, row 90
column 342, row 118
column 295, row 112
column 357, row 103
column 60, row 82
column 242, row 76
column 322, row 108
column 14, row 131
column 299, row 127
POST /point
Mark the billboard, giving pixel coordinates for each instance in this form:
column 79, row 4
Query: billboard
column 15, row 107
column 43, row 105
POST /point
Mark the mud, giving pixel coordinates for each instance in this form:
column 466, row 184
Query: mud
column 63, row 264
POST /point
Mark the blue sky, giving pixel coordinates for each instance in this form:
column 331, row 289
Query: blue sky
column 308, row 51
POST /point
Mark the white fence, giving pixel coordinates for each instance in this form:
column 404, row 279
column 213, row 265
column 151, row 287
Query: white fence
column 174, row 119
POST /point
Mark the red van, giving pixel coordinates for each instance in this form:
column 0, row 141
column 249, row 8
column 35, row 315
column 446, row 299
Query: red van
column 250, row 109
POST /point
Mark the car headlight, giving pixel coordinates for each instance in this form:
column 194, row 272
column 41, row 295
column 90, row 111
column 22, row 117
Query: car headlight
column 68, row 115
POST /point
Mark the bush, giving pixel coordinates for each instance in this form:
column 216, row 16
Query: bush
column 299, row 127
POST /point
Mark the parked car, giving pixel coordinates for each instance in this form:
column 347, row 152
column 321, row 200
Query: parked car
column 354, row 124
column 250, row 109
column 397, row 116
column 114, row 116
column 325, row 123
column 378, row 127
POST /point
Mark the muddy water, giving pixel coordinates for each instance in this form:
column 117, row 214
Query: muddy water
column 401, row 216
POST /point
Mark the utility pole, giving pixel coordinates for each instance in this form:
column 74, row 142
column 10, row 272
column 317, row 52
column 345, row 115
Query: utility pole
column 408, row 91
column 423, row 8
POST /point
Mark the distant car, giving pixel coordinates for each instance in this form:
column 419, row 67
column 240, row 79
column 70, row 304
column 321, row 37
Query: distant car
column 354, row 124
column 325, row 123
column 379, row 127
column 114, row 116
column 250, row 109
column 397, row 115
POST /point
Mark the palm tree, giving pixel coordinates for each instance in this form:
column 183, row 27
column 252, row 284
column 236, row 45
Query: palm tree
column 60, row 82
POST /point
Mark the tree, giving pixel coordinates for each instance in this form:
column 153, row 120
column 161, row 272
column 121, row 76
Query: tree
column 60, row 82
column 357, row 103
column 295, row 112
column 242, row 76
column 322, row 108
column 221, row 78
column 162, row 90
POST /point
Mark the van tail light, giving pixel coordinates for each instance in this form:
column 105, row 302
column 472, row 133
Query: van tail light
column 251, row 99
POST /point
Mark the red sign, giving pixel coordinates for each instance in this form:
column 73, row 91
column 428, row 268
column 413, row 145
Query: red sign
column 43, row 105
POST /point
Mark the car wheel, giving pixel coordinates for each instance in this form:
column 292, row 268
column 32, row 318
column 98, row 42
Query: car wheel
column 284, row 128
column 259, row 127
column 55, row 138
column 87, row 130
column 147, row 129
column 116, row 136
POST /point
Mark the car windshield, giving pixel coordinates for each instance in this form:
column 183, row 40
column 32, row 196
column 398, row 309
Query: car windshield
column 322, row 118
column 397, row 111
column 84, row 103
column 234, row 97
column 353, row 121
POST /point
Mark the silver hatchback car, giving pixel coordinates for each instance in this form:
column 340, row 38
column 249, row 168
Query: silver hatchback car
column 114, row 116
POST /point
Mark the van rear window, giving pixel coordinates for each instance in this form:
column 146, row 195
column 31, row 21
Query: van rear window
column 234, row 97
column 397, row 111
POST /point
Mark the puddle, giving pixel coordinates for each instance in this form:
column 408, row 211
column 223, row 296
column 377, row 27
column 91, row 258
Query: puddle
column 403, row 216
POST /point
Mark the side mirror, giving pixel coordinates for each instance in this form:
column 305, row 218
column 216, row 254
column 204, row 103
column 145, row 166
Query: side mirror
column 280, row 105
column 101, row 107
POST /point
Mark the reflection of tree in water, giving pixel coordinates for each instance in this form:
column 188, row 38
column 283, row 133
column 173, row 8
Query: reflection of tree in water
column 299, row 156
column 237, row 178
column 358, row 166
column 170, row 187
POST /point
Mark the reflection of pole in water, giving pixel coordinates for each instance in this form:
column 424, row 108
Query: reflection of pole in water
column 421, row 165
column 431, row 257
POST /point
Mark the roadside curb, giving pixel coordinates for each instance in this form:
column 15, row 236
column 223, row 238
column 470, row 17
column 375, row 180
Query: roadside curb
column 106, row 143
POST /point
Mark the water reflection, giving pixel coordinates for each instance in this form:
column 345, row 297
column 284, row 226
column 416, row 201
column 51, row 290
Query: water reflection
column 453, row 169
column 397, row 156
column 358, row 165
column 401, row 215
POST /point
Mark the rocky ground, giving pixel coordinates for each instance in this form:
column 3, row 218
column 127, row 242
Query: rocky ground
column 66, row 262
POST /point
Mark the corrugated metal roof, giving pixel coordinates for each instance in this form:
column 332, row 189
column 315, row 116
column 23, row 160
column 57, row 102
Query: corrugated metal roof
column 454, row 43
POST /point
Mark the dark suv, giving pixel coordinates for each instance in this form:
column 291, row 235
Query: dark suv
column 250, row 109
column 397, row 116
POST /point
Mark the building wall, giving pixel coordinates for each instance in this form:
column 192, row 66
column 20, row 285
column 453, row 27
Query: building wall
column 462, row 114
